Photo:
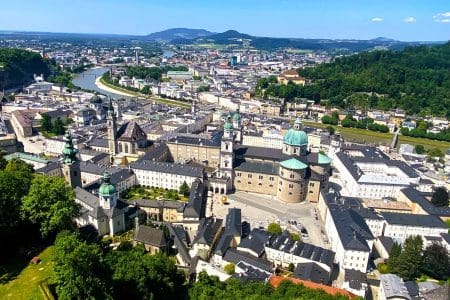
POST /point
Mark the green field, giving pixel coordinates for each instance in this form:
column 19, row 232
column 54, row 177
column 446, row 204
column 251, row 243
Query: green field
column 210, row 46
column 367, row 136
column 26, row 284
column 153, row 98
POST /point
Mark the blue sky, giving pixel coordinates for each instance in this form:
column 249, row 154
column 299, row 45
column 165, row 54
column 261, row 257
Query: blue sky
column 362, row 19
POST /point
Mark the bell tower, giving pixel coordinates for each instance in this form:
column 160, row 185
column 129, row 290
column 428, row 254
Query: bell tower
column 71, row 165
column 226, row 151
column 111, row 121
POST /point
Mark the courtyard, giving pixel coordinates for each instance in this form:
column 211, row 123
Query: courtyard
column 155, row 193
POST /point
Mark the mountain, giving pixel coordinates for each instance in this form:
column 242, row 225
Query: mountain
column 178, row 33
column 233, row 37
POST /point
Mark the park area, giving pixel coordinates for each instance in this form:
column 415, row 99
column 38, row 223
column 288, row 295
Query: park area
column 31, row 282
column 139, row 192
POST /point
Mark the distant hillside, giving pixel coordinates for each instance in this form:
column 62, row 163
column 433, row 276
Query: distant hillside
column 416, row 79
column 269, row 43
column 18, row 66
column 178, row 33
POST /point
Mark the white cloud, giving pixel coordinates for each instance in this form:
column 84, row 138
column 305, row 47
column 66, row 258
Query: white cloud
column 409, row 20
column 377, row 19
column 442, row 17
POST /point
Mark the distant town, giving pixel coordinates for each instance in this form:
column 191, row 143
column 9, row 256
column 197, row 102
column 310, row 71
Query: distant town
column 190, row 150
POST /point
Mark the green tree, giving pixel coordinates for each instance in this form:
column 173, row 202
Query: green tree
column 291, row 267
column 79, row 271
column 46, row 123
column 229, row 268
column 184, row 189
column 392, row 262
column 410, row 259
column 50, row 203
column 295, row 236
column 440, row 197
column 436, row 262
column 3, row 161
column 435, row 152
column 274, row 228
column 330, row 130
column 58, row 127
column 419, row 149
column 17, row 165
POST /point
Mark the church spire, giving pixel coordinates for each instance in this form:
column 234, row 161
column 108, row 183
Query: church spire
column 69, row 152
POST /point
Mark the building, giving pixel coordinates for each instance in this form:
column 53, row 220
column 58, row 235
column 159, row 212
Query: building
column 291, row 76
column 153, row 239
column 105, row 212
column 392, row 287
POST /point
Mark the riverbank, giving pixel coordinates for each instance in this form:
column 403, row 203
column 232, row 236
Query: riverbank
column 102, row 84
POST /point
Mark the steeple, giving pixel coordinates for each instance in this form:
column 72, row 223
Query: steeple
column 69, row 152
column 71, row 166
column 112, row 129
column 107, row 192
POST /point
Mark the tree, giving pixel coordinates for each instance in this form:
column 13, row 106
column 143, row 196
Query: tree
column 419, row 149
column 3, row 161
column 295, row 236
column 50, row 203
column 184, row 189
column 58, row 127
column 79, row 271
column 291, row 267
column 409, row 261
column 435, row 152
column 46, row 123
column 229, row 268
column 274, row 228
column 436, row 262
column 440, row 197
column 392, row 262
column 17, row 165
column 330, row 130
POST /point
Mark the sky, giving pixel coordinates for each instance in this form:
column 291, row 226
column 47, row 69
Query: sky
column 407, row 20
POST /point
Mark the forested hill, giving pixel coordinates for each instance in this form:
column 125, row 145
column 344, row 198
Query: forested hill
column 416, row 79
column 18, row 66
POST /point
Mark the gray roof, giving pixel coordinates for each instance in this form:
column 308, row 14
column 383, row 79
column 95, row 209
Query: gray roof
column 86, row 197
column 394, row 286
column 48, row 168
column 179, row 236
column 355, row 278
column 233, row 222
column 413, row 220
column 251, row 273
column 150, row 236
column 258, row 152
column 223, row 244
column 255, row 241
column 446, row 237
column 195, row 208
column 93, row 168
column 387, row 242
column 298, row 248
column 207, row 230
column 311, row 272
column 171, row 168
column 235, row 256
column 99, row 142
column 214, row 141
column 418, row 197
column 442, row 292
column 255, row 166
column 158, row 203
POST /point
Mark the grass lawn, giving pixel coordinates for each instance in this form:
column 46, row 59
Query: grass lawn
column 154, row 98
column 151, row 194
column 26, row 284
column 367, row 136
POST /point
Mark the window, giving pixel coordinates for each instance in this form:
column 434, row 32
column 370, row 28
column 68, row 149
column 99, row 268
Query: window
column 271, row 178
column 249, row 176
column 238, row 174
column 281, row 183
column 261, row 177
column 249, row 182
column 292, row 176
column 291, row 186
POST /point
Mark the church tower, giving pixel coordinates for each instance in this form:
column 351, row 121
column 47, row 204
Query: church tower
column 237, row 124
column 226, row 152
column 111, row 120
column 71, row 165
column 107, row 192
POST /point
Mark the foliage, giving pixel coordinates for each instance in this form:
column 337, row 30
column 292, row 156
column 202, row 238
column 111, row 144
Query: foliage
column 435, row 152
column 295, row 236
column 58, row 127
column 330, row 130
column 420, row 149
column 17, row 165
column 229, row 268
column 291, row 267
column 203, row 88
column 392, row 262
column 50, row 203
column 46, row 122
column 326, row 119
column 444, row 135
column 19, row 67
column 79, row 272
column 211, row 288
column 274, row 228
column 184, row 189
column 62, row 78
column 436, row 262
column 440, row 197
column 409, row 261
column 155, row 73
column 383, row 268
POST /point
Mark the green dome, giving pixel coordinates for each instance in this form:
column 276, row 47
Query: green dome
column 237, row 116
column 296, row 138
column 323, row 159
column 228, row 126
column 107, row 189
column 293, row 164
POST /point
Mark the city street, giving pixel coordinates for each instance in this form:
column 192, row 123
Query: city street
column 260, row 210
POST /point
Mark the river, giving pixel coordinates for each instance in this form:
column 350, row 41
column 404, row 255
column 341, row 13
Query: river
column 86, row 80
